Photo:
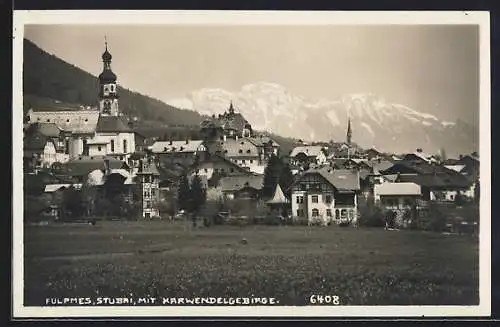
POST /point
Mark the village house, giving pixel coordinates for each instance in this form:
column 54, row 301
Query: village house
column 437, row 182
column 171, row 153
column 101, row 131
column 240, row 187
column 326, row 194
column 403, row 199
column 39, row 152
column 306, row 155
column 216, row 166
column 244, row 153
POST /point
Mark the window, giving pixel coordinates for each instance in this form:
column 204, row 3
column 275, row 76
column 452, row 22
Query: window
column 298, row 212
column 206, row 170
column 231, row 170
column 48, row 120
column 99, row 148
column 314, row 199
column 67, row 120
column 66, row 147
column 328, row 199
column 243, row 161
column 337, row 214
column 248, row 151
column 343, row 213
column 315, row 212
column 251, row 161
column 85, row 148
column 329, row 212
column 112, row 87
column 112, row 145
column 148, row 204
column 303, row 187
column 125, row 146
column 300, row 199
column 240, row 151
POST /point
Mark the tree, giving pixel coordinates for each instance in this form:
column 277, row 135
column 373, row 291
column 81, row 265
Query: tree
column 198, row 197
column 271, row 176
column 183, row 193
column 286, row 178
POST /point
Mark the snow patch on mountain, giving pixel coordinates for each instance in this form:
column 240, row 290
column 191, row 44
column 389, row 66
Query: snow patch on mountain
column 375, row 121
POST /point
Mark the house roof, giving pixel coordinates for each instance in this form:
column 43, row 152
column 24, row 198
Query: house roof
column 397, row 189
column 239, row 148
column 175, row 146
column 436, row 181
column 75, row 121
column 378, row 167
column 278, row 196
column 46, row 129
column 457, row 168
column 262, row 141
column 148, row 169
column 110, row 124
column 308, row 150
column 341, row 179
column 83, row 165
column 235, row 183
column 36, row 142
column 50, row 188
column 98, row 140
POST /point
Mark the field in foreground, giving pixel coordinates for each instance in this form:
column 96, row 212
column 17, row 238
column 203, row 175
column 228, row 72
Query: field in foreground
column 160, row 259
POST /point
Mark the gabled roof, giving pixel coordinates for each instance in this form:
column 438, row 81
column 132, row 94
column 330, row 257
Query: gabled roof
column 175, row 146
column 308, row 150
column 83, row 165
column 278, row 196
column 341, row 179
column 111, row 124
column 239, row 148
column 397, row 189
column 50, row 188
column 262, row 141
column 46, row 129
column 436, row 181
column 236, row 183
column 36, row 142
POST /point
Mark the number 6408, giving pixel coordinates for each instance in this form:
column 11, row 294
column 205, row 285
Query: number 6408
column 326, row 299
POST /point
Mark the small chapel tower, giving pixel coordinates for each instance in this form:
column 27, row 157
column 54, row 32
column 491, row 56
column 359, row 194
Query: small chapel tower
column 108, row 93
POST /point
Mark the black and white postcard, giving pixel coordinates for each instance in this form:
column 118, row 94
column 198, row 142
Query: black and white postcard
column 251, row 164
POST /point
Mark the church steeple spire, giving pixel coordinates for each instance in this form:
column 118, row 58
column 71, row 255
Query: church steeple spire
column 349, row 131
column 108, row 96
column 231, row 108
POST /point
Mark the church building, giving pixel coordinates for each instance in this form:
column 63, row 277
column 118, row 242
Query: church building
column 94, row 132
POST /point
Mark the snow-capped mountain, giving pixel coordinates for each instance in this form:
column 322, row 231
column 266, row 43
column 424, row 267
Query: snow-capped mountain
column 375, row 122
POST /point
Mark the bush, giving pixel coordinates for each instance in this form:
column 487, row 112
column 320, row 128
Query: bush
column 272, row 220
column 436, row 220
column 371, row 215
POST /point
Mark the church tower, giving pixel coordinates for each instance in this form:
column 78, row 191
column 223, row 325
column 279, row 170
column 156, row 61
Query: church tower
column 108, row 93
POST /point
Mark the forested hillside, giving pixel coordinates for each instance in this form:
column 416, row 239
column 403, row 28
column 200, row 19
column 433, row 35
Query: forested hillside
column 49, row 82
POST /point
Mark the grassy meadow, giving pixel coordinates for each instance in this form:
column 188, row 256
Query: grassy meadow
column 164, row 259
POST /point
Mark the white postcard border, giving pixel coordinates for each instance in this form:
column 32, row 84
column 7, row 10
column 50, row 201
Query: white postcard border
column 118, row 17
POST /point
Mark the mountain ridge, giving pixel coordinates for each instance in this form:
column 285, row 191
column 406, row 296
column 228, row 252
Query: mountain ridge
column 376, row 122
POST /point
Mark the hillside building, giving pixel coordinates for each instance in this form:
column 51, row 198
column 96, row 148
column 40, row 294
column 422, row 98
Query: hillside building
column 93, row 132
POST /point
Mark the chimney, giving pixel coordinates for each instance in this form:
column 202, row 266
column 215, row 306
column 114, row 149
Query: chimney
column 187, row 140
column 170, row 142
column 107, row 170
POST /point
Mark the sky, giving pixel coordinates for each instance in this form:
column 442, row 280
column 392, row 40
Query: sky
column 430, row 68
